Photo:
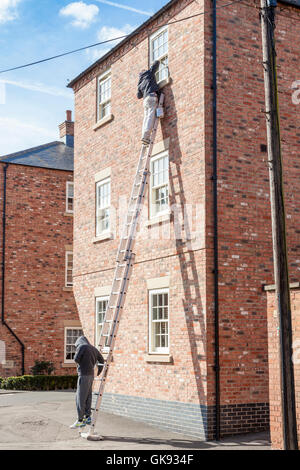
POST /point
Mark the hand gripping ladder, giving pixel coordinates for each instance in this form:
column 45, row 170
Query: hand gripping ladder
column 125, row 259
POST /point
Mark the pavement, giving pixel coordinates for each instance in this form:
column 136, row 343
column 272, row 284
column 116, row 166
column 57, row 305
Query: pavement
column 40, row 421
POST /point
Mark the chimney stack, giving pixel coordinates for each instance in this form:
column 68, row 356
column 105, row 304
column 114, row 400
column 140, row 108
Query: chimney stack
column 66, row 130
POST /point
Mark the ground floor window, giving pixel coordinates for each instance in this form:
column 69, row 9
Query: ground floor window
column 101, row 306
column 71, row 335
column 159, row 321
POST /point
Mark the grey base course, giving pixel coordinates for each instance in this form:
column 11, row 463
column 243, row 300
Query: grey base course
column 185, row 418
column 190, row 419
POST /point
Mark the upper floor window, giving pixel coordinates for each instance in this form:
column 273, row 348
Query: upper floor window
column 159, row 51
column 159, row 185
column 104, row 95
column 69, row 269
column 70, row 197
column 102, row 206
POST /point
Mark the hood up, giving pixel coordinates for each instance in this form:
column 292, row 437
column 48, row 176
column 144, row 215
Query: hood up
column 81, row 341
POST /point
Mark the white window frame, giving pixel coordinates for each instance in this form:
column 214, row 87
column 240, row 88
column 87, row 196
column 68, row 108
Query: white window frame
column 68, row 185
column 153, row 212
column 152, row 349
column 70, row 361
column 103, row 207
column 68, row 284
column 101, row 104
column 160, row 57
column 103, row 298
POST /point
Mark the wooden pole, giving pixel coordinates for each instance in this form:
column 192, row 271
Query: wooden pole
column 289, row 421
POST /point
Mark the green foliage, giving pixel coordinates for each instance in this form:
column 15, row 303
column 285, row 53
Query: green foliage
column 39, row 382
column 42, row 368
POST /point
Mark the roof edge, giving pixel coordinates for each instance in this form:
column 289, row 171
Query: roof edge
column 31, row 149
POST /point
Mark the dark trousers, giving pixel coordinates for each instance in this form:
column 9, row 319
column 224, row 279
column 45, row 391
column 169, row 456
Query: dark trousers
column 84, row 395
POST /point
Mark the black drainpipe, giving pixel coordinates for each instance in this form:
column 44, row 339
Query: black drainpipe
column 3, row 269
column 215, row 211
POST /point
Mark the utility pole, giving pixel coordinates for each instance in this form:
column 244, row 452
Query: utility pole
column 278, row 226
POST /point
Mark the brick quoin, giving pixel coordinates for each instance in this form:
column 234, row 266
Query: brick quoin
column 37, row 307
column 244, row 243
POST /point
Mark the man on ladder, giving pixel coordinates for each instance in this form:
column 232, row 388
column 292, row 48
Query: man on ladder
column 149, row 90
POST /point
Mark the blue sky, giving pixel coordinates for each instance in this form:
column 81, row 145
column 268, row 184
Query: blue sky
column 33, row 100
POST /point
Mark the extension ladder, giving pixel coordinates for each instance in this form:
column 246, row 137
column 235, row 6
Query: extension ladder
column 125, row 260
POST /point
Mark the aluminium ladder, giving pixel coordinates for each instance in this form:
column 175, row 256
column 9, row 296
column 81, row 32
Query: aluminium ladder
column 125, row 259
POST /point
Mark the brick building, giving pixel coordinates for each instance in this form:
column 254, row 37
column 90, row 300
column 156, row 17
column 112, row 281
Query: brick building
column 38, row 310
column 274, row 362
column 192, row 345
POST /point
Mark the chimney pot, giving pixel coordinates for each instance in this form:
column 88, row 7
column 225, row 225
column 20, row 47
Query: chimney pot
column 69, row 115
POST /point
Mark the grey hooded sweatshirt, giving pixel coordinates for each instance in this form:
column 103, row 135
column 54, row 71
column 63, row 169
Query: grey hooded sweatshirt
column 86, row 356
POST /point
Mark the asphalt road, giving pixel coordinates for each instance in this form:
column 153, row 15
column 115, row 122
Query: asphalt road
column 40, row 421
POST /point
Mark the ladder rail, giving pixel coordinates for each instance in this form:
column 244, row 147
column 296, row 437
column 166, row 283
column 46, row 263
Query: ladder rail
column 124, row 265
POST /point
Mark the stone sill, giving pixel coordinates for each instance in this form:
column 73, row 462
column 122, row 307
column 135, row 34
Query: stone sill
column 103, row 121
column 104, row 236
column 68, row 214
column 66, row 364
column 68, row 289
column 163, row 83
column 272, row 287
column 161, row 218
column 166, row 358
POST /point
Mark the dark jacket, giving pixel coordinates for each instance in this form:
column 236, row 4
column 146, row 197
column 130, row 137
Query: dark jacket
column 147, row 81
column 86, row 356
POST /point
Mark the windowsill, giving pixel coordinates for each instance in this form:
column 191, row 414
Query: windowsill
column 103, row 121
column 158, row 219
column 104, row 236
column 68, row 214
column 68, row 289
column 67, row 364
column 272, row 287
column 163, row 83
column 166, row 358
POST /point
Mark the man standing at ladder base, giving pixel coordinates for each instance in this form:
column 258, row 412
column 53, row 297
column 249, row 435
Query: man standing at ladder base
column 149, row 90
column 86, row 357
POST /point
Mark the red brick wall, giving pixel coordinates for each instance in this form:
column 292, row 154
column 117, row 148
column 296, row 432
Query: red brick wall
column 117, row 145
column 245, row 245
column 274, row 365
column 245, row 251
column 37, row 307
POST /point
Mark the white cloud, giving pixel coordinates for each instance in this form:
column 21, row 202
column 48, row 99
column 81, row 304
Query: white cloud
column 83, row 15
column 109, row 32
column 106, row 33
column 17, row 135
column 39, row 87
column 8, row 10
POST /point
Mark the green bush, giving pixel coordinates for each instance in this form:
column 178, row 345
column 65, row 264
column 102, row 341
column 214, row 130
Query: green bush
column 39, row 382
column 42, row 368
